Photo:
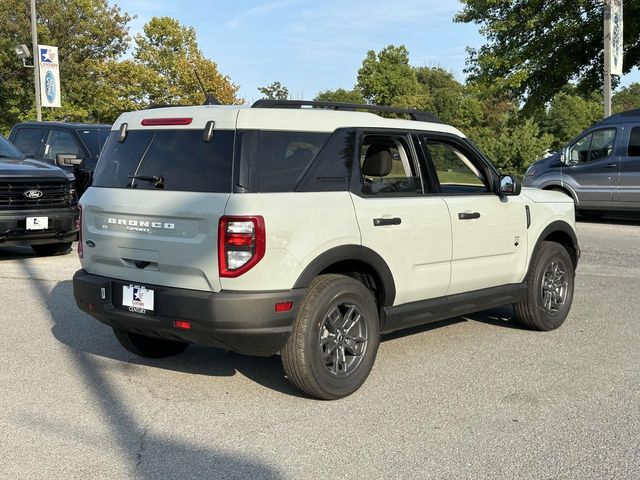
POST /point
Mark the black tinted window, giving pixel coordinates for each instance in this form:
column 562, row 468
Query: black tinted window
column 61, row 141
column 94, row 139
column 331, row 171
column 8, row 150
column 28, row 140
column 634, row 142
column 180, row 157
column 285, row 158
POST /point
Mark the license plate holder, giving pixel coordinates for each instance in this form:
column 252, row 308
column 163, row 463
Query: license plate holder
column 138, row 299
column 37, row 223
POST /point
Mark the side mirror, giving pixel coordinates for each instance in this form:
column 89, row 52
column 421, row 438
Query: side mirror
column 563, row 155
column 66, row 160
column 510, row 185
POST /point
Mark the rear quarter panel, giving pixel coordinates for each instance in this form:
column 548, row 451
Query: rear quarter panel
column 299, row 227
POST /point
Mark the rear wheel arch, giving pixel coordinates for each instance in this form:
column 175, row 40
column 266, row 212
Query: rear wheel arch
column 356, row 261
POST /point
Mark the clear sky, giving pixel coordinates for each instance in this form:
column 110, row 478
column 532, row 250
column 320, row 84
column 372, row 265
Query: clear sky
column 311, row 46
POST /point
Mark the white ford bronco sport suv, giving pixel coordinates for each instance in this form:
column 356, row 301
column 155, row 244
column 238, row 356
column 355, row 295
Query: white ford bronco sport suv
column 309, row 229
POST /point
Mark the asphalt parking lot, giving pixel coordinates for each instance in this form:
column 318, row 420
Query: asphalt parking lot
column 474, row 397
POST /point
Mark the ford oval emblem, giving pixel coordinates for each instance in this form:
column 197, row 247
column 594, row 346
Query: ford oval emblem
column 33, row 194
column 90, row 243
column 50, row 86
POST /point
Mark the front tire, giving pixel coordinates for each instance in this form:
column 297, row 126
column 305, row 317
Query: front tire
column 148, row 347
column 335, row 338
column 549, row 284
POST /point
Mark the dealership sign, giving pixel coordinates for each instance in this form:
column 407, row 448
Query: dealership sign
column 615, row 45
column 49, row 76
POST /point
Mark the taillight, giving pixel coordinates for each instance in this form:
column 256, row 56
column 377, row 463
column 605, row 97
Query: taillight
column 79, row 227
column 241, row 244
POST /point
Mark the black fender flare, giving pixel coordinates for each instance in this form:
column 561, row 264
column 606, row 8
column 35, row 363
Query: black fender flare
column 351, row 253
column 559, row 226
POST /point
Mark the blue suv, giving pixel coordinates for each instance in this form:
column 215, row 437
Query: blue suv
column 599, row 169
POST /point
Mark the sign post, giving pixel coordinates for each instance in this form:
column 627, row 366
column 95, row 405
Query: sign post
column 36, row 57
column 613, row 47
column 49, row 76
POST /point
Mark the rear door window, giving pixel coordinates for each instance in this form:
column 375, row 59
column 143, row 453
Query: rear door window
column 29, row 141
column 180, row 159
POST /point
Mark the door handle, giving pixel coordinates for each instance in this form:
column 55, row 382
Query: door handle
column 468, row 215
column 380, row 222
column 612, row 165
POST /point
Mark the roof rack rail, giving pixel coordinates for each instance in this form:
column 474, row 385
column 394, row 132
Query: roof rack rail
column 413, row 114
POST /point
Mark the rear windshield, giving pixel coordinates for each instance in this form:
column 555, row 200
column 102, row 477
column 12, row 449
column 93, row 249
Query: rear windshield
column 177, row 160
column 94, row 139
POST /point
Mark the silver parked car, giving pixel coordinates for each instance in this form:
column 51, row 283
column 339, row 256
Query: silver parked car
column 600, row 169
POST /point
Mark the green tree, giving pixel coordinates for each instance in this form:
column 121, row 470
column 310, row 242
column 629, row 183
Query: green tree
column 87, row 32
column 171, row 51
column 568, row 114
column 536, row 47
column 275, row 91
column 627, row 98
column 340, row 95
column 386, row 78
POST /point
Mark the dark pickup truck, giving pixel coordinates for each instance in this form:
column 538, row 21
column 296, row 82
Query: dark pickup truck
column 74, row 147
column 38, row 203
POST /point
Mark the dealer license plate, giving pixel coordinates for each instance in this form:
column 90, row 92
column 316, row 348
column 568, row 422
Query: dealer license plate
column 37, row 223
column 138, row 299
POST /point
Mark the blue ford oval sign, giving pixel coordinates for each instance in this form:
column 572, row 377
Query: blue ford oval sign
column 50, row 86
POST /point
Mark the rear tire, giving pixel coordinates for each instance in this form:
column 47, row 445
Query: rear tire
column 51, row 249
column 549, row 283
column 335, row 338
column 148, row 347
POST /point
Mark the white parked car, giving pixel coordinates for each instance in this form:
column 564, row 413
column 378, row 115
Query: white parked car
column 309, row 229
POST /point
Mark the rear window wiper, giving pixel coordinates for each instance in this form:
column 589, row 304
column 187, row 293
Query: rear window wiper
column 158, row 181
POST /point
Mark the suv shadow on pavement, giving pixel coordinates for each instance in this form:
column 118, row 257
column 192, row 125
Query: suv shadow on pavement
column 152, row 456
column 78, row 331
column 74, row 329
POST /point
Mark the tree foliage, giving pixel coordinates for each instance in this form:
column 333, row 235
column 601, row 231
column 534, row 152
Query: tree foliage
column 171, row 51
column 275, row 91
column 627, row 98
column 340, row 95
column 87, row 32
column 386, row 78
column 97, row 83
column 535, row 47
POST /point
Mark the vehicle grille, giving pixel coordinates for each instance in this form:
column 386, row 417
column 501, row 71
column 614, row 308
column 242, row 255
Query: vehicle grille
column 55, row 193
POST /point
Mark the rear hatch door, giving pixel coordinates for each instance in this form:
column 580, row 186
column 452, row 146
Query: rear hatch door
column 151, row 216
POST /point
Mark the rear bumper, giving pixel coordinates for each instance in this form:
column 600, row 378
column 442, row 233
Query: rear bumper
column 244, row 322
column 62, row 227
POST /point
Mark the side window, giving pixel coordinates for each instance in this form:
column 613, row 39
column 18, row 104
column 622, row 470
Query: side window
column 29, row 140
column 596, row 145
column 331, row 170
column 388, row 166
column 634, row 142
column 285, row 158
column 60, row 141
column 455, row 170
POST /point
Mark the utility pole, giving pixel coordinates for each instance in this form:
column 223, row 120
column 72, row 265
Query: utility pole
column 36, row 60
column 607, row 59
